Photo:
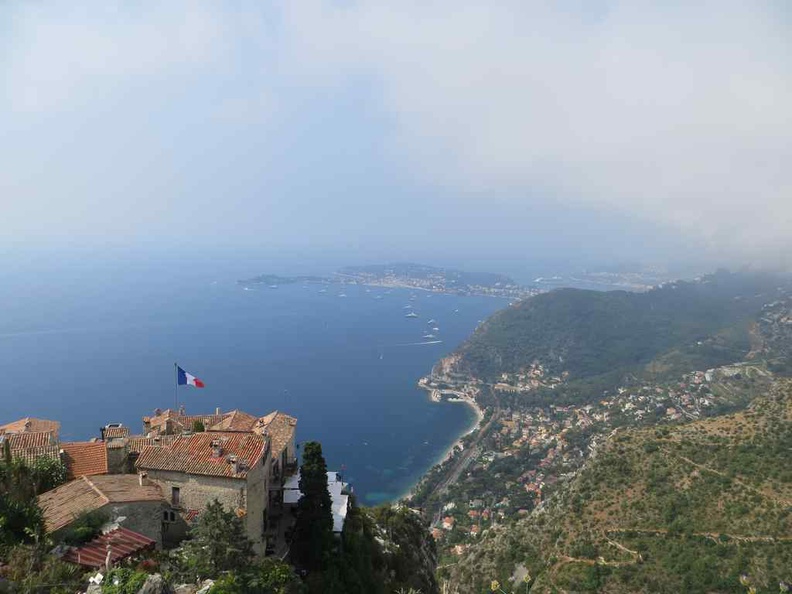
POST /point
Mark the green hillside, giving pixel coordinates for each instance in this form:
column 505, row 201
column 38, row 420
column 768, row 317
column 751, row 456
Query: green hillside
column 684, row 508
column 607, row 336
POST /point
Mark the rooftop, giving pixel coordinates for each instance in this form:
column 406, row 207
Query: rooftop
column 64, row 504
column 121, row 543
column 280, row 427
column 31, row 425
column 84, row 458
column 115, row 432
column 236, row 420
column 210, row 453
column 136, row 443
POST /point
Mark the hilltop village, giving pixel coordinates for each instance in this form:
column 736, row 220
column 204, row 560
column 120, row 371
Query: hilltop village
column 153, row 486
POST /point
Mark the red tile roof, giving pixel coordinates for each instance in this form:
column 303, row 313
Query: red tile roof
column 121, row 542
column 111, row 432
column 30, row 440
column 31, row 425
column 280, row 427
column 137, row 443
column 236, row 420
column 30, row 455
column 64, row 504
column 32, row 446
column 85, row 458
column 193, row 454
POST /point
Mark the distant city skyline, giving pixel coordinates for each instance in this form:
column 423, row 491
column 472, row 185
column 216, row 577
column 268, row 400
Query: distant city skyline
column 484, row 137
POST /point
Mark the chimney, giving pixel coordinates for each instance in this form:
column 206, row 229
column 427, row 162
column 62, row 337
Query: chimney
column 102, row 430
column 142, row 479
column 182, row 410
column 217, row 448
column 234, row 461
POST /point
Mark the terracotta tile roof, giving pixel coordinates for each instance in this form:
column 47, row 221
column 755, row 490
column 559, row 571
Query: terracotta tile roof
column 30, row 455
column 122, row 542
column 31, row 446
column 236, row 420
column 64, row 504
column 193, row 454
column 31, row 425
column 280, row 427
column 83, row 458
column 115, row 432
column 30, row 440
column 180, row 422
column 137, row 443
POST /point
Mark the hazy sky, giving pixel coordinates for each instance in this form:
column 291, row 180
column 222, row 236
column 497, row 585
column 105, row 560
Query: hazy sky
column 455, row 131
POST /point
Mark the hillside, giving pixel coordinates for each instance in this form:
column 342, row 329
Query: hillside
column 680, row 508
column 599, row 338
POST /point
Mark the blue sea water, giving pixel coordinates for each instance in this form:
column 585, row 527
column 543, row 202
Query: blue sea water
column 91, row 353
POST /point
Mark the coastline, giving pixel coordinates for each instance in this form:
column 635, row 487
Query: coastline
column 446, row 455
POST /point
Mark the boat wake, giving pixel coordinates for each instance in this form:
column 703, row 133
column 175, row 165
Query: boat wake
column 418, row 343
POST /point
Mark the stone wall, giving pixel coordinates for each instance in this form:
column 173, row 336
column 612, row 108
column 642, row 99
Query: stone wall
column 196, row 491
column 118, row 457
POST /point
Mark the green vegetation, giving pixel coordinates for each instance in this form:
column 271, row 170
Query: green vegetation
column 20, row 483
column 601, row 339
column 32, row 570
column 84, row 528
column 313, row 533
column 698, row 507
column 217, row 544
column 123, row 581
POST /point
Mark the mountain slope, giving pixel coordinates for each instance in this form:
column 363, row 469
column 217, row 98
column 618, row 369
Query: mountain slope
column 685, row 508
column 589, row 334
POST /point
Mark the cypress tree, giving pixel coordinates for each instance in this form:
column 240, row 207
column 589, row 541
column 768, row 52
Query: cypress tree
column 313, row 532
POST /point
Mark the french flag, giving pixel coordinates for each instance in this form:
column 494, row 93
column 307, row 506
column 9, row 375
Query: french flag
column 185, row 379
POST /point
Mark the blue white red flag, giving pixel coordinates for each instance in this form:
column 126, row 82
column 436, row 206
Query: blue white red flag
column 185, row 379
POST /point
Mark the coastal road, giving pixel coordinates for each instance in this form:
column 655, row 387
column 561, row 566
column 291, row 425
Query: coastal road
column 469, row 454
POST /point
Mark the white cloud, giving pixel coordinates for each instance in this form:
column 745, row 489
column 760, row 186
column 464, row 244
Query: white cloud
column 678, row 113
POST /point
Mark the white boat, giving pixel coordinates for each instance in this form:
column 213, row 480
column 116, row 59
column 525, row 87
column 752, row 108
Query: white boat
column 412, row 314
column 429, row 336
column 432, row 321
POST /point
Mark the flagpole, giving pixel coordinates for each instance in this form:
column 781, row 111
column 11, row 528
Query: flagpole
column 176, row 386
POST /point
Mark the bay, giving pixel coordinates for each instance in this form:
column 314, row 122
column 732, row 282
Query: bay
column 345, row 362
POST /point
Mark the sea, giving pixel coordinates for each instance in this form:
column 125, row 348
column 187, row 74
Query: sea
column 90, row 349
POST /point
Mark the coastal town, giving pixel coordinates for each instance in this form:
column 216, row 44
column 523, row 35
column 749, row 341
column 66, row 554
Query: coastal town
column 409, row 276
column 524, row 451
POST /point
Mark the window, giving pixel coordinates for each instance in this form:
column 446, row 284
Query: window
column 175, row 493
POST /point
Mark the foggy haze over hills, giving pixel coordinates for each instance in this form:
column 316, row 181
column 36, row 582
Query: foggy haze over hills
column 458, row 134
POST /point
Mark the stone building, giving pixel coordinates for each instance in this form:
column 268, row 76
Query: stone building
column 233, row 467
column 129, row 501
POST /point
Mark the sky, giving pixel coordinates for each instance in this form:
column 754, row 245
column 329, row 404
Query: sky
column 484, row 135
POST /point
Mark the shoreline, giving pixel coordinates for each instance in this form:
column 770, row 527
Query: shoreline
column 446, row 455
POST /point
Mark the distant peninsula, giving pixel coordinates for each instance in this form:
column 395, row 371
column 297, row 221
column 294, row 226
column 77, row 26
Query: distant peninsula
column 410, row 276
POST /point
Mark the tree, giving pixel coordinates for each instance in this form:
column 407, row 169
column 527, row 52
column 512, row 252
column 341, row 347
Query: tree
column 198, row 426
column 20, row 483
column 313, row 532
column 217, row 544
